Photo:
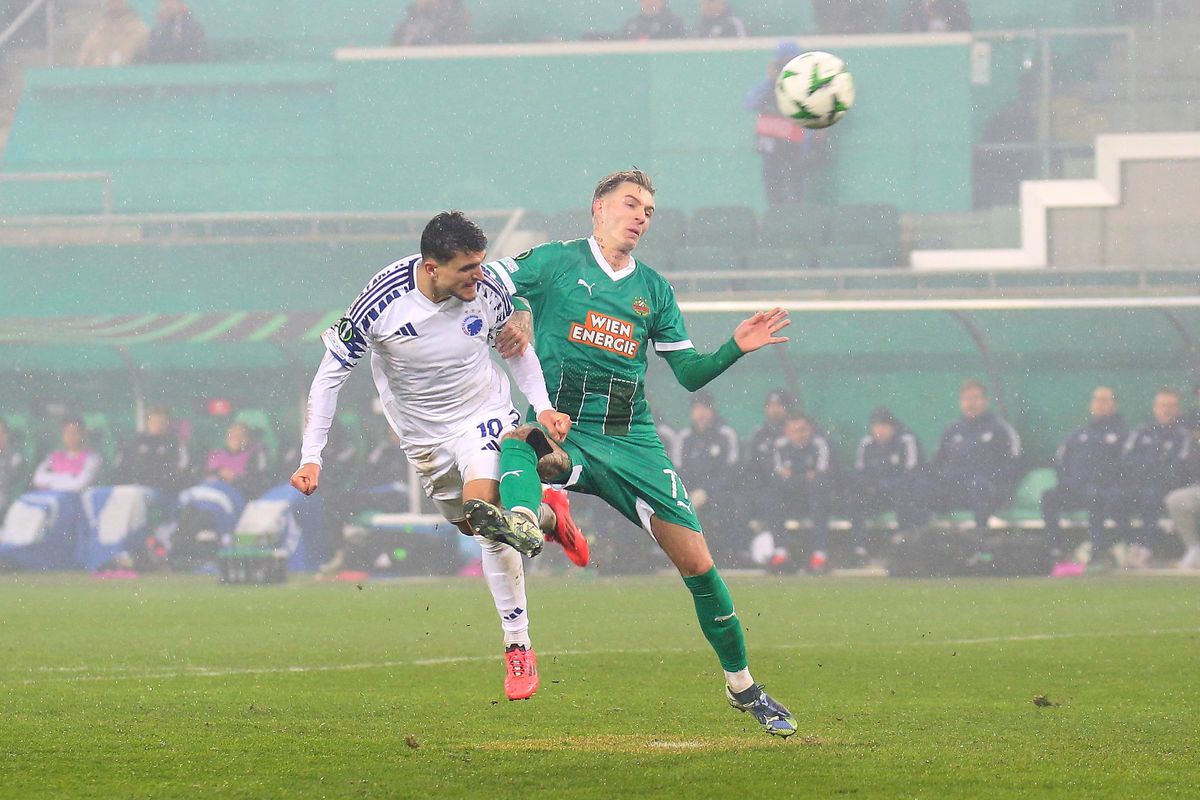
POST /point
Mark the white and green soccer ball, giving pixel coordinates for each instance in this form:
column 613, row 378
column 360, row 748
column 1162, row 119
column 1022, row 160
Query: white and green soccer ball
column 814, row 89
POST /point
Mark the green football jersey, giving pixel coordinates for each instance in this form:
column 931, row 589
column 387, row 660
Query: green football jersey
column 592, row 328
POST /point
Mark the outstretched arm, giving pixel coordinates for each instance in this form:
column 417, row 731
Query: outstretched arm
column 322, row 405
column 527, row 370
column 694, row 370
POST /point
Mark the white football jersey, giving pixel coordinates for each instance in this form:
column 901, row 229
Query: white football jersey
column 431, row 361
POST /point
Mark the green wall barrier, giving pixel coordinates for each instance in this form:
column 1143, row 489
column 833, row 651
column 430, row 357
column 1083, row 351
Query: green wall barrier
column 491, row 132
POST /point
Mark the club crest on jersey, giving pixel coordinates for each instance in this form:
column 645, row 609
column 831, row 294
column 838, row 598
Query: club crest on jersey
column 606, row 333
column 472, row 325
column 345, row 329
column 641, row 307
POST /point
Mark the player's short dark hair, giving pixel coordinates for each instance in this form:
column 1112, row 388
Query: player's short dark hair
column 610, row 182
column 451, row 233
column 796, row 415
column 970, row 384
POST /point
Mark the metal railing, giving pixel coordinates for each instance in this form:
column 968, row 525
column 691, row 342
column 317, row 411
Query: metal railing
column 1044, row 41
column 65, row 177
column 24, row 17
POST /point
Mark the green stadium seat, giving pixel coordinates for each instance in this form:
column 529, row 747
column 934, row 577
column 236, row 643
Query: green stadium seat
column 794, row 225
column 571, row 223
column 662, row 242
column 1026, row 504
column 856, row 256
column 864, row 235
column 881, row 282
column 723, row 226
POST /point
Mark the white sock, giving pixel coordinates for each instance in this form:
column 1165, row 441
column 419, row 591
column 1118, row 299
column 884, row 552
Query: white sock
column 739, row 681
column 525, row 512
column 505, row 575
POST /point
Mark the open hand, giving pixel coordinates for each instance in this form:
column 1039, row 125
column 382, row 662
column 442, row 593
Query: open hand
column 760, row 330
column 516, row 335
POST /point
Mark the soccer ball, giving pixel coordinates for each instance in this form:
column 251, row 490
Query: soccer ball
column 814, row 89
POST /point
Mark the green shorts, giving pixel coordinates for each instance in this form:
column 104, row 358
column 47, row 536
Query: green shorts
column 630, row 473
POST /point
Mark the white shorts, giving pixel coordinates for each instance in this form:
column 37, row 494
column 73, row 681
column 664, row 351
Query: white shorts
column 472, row 453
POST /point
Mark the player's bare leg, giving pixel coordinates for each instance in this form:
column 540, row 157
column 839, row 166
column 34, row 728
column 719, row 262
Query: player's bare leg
column 689, row 552
column 504, row 572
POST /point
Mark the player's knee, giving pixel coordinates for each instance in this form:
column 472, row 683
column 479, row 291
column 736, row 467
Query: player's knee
column 520, row 432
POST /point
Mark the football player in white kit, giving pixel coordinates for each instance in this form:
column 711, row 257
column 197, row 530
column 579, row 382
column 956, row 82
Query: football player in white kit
column 429, row 322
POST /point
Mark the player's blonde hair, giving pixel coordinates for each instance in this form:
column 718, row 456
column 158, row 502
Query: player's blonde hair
column 610, row 182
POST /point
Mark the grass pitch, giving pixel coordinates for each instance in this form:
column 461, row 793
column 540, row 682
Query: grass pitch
column 179, row 687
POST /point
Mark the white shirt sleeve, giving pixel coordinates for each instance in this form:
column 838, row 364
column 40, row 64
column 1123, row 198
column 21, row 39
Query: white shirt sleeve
column 322, row 405
column 527, row 370
column 49, row 480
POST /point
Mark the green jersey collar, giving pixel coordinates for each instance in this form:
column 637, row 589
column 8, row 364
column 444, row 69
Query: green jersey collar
column 602, row 262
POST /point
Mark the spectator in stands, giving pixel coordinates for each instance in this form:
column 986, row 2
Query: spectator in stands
column 885, row 468
column 119, row 39
column 803, row 468
column 936, row 16
column 1088, row 465
column 12, row 466
column 717, row 21
column 708, row 459
column 72, row 468
column 976, row 462
column 999, row 169
column 155, row 457
column 1153, row 464
column 654, row 21
column 242, row 463
column 792, row 156
column 177, row 38
column 1183, row 504
column 759, row 461
column 431, row 22
column 849, row 16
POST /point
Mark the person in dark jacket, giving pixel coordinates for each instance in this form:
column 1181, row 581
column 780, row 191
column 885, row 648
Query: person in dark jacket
column 717, row 21
column 177, row 37
column 885, row 466
column 976, row 461
column 1153, row 463
column 759, row 459
column 12, row 467
column 433, row 22
column 803, row 468
column 155, row 457
column 794, row 158
column 654, row 21
column 708, row 464
column 1088, row 464
column 936, row 16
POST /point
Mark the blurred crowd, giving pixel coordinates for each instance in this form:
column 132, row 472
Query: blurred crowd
column 769, row 500
column 773, row 497
column 122, row 37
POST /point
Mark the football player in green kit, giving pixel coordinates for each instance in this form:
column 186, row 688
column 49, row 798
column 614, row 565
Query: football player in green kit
column 597, row 310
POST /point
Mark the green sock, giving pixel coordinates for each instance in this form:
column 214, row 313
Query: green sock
column 714, row 609
column 520, row 486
